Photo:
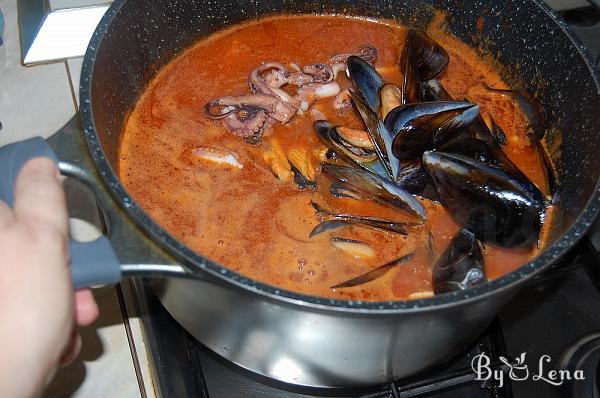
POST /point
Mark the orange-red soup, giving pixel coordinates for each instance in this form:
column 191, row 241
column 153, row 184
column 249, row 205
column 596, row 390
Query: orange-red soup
column 255, row 224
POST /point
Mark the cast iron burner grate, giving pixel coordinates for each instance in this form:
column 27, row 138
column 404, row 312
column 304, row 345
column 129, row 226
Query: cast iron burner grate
column 535, row 322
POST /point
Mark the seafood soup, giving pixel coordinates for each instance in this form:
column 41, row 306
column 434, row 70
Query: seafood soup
column 342, row 157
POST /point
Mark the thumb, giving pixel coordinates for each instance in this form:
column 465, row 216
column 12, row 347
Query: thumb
column 39, row 196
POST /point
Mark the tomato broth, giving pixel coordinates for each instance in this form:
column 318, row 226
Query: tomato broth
column 254, row 223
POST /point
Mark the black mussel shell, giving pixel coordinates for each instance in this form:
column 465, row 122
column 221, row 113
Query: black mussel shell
column 376, row 187
column 496, row 131
column 460, row 266
column 414, row 178
column 363, row 221
column 381, row 137
column 550, row 174
column 328, row 225
column 342, row 190
column 374, row 273
column 497, row 138
column 367, row 80
column 417, row 128
column 302, row 181
column 430, row 58
column 411, row 84
column 531, row 108
column 330, row 136
column 486, row 200
column 327, row 133
column 492, row 155
column 432, row 90
column 480, row 150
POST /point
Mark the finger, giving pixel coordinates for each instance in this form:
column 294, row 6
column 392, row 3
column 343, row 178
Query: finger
column 86, row 309
column 6, row 214
column 39, row 195
column 72, row 350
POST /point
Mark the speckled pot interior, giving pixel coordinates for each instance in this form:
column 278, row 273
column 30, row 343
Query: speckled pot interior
column 137, row 37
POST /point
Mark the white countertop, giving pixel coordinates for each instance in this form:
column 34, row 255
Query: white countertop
column 39, row 100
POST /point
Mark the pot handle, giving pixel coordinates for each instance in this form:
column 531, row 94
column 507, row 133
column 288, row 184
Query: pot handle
column 92, row 263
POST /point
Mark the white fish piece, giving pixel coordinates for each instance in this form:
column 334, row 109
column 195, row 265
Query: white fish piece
column 316, row 91
column 219, row 156
column 355, row 248
column 421, row 295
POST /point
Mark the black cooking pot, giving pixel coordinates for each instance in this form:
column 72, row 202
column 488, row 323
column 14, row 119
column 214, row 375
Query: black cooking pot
column 309, row 340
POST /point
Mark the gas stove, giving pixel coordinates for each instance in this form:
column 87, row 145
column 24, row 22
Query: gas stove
column 554, row 324
column 544, row 343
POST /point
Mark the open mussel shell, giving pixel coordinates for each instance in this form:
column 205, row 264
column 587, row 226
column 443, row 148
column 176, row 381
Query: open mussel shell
column 367, row 80
column 488, row 150
column 338, row 220
column 302, row 181
column 380, row 135
column 376, row 187
column 375, row 273
column 339, row 189
column 333, row 138
column 417, row 128
column 531, row 108
column 460, row 266
column 430, row 58
column 486, row 200
column 496, row 131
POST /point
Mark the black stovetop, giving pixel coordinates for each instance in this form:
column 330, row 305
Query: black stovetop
column 557, row 314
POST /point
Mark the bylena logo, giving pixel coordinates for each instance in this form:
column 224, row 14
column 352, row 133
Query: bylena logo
column 519, row 371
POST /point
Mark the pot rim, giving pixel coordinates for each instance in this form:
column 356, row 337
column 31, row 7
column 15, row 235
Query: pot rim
column 549, row 255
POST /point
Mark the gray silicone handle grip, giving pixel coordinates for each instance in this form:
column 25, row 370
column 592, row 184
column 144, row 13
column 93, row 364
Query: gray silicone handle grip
column 92, row 263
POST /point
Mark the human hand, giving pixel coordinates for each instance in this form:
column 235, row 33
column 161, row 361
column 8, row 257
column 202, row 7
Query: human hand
column 38, row 307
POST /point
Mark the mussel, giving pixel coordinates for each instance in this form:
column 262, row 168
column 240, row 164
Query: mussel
column 411, row 82
column 486, row 200
column 376, row 187
column 367, row 80
column 460, row 266
column 496, row 131
column 343, row 141
column 380, row 136
column 302, row 181
column 338, row 220
column 416, row 128
column 430, row 58
column 391, row 97
column 374, row 273
column 432, row 90
column 537, row 125
column 342, row 190
column 414, row 178
column 533, row 110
